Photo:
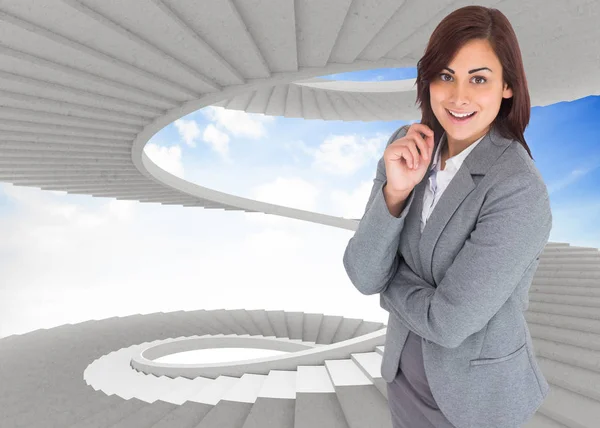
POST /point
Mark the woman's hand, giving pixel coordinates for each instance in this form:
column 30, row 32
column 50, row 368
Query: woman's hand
column 403, row 176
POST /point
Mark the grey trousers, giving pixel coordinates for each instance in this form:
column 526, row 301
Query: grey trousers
column 409, row 397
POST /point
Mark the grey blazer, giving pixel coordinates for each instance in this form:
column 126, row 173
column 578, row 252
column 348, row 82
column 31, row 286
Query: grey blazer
column 462, row 284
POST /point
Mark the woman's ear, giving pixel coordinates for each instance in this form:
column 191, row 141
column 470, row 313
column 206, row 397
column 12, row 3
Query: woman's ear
column 507, row 92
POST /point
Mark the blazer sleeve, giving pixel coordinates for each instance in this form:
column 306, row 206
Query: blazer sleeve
column 371, row 257
column 511, row 232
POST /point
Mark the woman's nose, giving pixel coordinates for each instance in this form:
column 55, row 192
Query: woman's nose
column 460, row 95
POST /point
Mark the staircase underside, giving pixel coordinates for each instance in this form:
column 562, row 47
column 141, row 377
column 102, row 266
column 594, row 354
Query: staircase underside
column 85, row 84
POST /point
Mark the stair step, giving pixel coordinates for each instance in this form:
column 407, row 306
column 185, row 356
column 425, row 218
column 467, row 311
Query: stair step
column 570, row 258
column 346, row 329
column 55, row 407
column 328, row 328
column 566, row 282
column 567, row 274
column 242, row 317
column 261, row 320
column 109, row 416
column 570, row 409
column 345, row 373
column 566, row 310
column 313, row 379
column 370, row 364
column 575, row 379
column 179, row 394
column 187, row 415
column 566, row 336
column 361, row 401
column 79, row 408
column 148, row 388
column 146, row 415
column 226, row 414
column 279, row 384
column 367, row 327
column 275, row 404
column 566, row 291
column 567, row 354
column 212, row 393
column 539, row 420
column 579, row 324
column 294, row 322
column 317, row 404
column 277, row 320
column 593, row 302
column 568, row 268
column 311, row 326
column 246, row 389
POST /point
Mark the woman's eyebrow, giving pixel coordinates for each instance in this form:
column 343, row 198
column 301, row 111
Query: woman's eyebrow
column 470, row 71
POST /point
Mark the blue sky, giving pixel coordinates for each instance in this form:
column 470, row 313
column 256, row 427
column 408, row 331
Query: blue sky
column 70, row 258
column 378, row 74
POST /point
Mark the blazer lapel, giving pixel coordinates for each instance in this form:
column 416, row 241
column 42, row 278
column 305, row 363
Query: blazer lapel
column 477, row 162
column 412, row 227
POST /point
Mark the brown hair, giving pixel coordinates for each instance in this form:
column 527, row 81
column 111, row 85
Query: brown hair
column 459, row 27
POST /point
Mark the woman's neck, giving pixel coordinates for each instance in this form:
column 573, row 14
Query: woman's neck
column 454, row 147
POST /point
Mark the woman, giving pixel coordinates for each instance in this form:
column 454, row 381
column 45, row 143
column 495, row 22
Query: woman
column 452, row 233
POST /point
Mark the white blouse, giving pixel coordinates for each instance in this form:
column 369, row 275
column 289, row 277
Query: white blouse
column 439, row 179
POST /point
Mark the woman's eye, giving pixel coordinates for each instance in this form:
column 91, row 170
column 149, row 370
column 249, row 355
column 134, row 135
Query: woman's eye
column 482, row 79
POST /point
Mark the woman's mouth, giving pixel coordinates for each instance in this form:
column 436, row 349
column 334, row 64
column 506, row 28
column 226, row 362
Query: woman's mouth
column 460, row 120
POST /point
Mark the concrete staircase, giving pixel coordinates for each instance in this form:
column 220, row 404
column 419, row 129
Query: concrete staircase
column 82, row 375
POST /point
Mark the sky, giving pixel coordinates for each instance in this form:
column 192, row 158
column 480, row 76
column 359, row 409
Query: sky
column 69, row 258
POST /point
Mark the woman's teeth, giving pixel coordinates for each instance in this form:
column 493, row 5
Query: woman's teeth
column 461, row 115
column 460, row 118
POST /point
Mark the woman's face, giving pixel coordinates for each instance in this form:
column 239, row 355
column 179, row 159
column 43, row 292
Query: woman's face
column 481, row 91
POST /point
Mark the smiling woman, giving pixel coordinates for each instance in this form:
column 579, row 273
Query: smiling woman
column 452, row 243
column 473, row 64
column 465, row 103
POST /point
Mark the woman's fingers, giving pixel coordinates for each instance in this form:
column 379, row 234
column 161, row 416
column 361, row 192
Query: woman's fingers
column 418, row 129
column 419, row 142
column 414, row 154
column 413, row 147
column 401, row 151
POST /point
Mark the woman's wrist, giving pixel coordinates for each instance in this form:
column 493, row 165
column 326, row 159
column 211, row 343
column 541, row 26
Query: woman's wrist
column 395, row 201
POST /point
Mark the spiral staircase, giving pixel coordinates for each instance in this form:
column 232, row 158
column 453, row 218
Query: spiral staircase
column 85, row 84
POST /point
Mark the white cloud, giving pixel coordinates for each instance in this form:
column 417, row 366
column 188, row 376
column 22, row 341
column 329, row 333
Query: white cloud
column 122, row 210
column 299, row 146
column 218, row 140
column 346, row 154
column 60, row 267
column 168, row 158
column 42, row 214
column 574, row 176
column 188, row 130
column 291, row 192
column 238, row 123
column 351, row 204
